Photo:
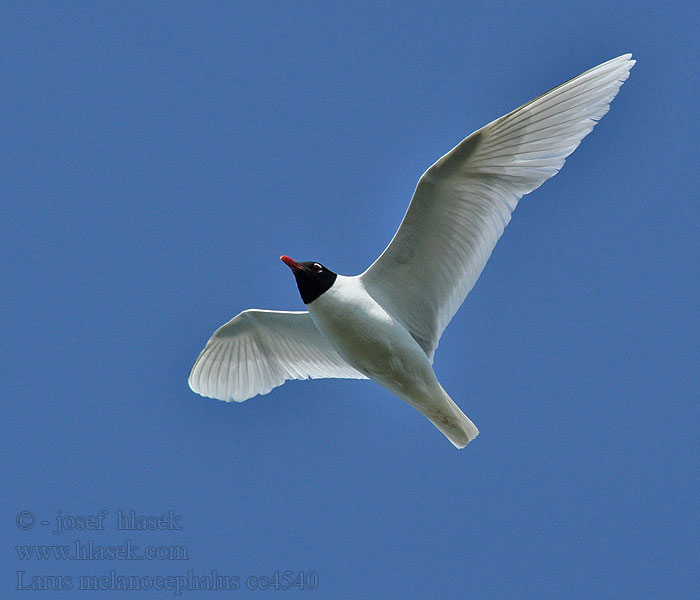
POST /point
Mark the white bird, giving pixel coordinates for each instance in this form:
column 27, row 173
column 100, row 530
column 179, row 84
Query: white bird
column 385, row 324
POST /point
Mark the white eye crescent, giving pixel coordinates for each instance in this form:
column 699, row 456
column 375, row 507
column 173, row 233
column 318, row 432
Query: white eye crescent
column 318, row 268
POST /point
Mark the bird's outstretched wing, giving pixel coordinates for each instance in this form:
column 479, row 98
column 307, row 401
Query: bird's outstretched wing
column 463, row 202
column 259, row 350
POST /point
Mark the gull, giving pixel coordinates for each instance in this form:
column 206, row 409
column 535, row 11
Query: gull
column 385, row 324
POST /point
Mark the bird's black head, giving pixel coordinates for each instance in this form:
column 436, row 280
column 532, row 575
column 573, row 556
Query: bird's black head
column 312, row 278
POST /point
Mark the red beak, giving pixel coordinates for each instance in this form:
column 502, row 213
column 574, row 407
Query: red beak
column 290, row 262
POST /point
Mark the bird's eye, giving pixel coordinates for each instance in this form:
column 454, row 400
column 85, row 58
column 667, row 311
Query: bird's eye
column 318, row 268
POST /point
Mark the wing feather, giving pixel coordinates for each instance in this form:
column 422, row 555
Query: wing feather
column 463, row 202
column 259, row 350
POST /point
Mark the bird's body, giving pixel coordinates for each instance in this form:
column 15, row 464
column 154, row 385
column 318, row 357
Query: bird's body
column 370, row 339
column 364, row 333
column 386, row 323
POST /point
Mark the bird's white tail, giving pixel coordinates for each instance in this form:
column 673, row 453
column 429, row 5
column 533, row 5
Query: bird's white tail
column 449, row 419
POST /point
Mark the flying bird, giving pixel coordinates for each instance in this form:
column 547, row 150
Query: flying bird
column 385, row 324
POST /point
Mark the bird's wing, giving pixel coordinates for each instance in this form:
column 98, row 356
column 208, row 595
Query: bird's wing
column 259, row 350
column 463, row 202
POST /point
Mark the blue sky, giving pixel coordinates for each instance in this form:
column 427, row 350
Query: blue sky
column 159, row 158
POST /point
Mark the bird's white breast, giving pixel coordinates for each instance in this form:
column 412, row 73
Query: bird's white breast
column 368, row 337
